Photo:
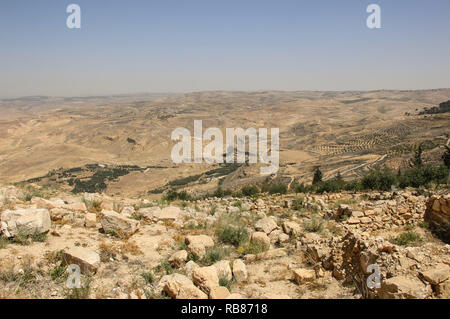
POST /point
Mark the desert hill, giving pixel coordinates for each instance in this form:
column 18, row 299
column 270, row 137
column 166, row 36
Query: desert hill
column 340, row 131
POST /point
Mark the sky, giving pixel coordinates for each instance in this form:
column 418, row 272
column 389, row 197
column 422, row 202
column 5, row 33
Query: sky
column 146, row 46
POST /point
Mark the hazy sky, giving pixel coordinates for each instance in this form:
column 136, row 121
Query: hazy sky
column 180, row 46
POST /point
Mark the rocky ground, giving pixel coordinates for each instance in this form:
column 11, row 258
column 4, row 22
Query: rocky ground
column 278, row 246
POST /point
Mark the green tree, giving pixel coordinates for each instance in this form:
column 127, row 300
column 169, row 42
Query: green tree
column 417, row 161
column 446, row 156
column 317, row 176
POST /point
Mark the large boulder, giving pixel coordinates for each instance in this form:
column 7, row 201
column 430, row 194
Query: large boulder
column 404, row 287
column 29, row 221
column 119, row 225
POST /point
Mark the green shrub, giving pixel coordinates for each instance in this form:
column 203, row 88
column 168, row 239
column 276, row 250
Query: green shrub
column 250, row 190
column 407, row 239
column 315, row 225
column 148, row 277
column 297, row 204
column 423, row 175
column 79, row 293
column 3, row 242
column 251, row 248
column 214, row 255
column 164, row 267
column 26, row 239
column 378, row 179
column 234, row 235
column 174, row 195
column 274, row 188
column 301, row 188
column 224, row 282
column 333, row 185
column 59, row 273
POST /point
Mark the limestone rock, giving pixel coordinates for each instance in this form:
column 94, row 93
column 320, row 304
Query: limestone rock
column 219, row 293
column 239, row 270
column 25, row 222
column 302, row 275
column 198, row 250
column 190, row 292
column 189, row 268
column 170, row 213
column 403, row 287
column 173, row 283
column 438, row 274
column 266, row 225
column 178, row 259
column 120, row 225
column 204, row 240
column 223, row 269
column 150, row 213
column 86, row 259
column 292, row 228
column 90, row 220
column 261, row 238
column 206, row 278
column 78, row 207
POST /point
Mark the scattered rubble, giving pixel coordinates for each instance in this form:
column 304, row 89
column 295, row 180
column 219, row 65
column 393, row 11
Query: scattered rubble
column 326, row 248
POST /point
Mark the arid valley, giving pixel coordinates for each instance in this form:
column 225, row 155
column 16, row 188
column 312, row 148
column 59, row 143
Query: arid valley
column 90, row 181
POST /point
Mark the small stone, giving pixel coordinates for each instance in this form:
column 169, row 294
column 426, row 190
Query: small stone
column 302, row 275
column 90, row 220
column 239, row 270
column 178, row 259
